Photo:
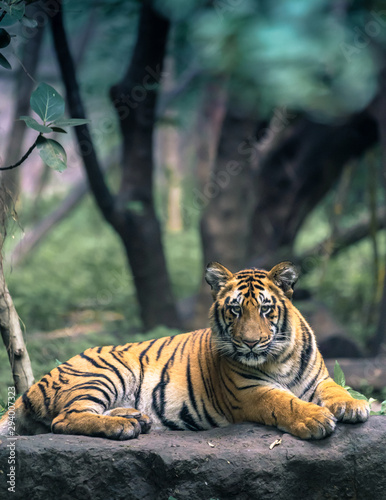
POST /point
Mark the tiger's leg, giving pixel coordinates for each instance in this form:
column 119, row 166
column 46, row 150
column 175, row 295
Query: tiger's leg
column 343, row 406
column 118, row 424
column 282, row 409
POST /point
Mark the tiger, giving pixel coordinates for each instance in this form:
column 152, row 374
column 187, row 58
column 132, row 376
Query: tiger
column 258, row 362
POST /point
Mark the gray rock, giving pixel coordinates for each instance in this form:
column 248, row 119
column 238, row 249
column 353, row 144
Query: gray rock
column 230, row 463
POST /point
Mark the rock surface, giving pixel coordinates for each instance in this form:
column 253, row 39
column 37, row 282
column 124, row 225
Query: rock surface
column 235, row 462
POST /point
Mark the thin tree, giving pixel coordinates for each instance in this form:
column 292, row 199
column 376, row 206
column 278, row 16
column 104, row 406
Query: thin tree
column 131, row 212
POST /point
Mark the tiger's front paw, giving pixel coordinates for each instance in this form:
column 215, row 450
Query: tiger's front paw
column 132, row 413
column 349, row 410
column 313, row 422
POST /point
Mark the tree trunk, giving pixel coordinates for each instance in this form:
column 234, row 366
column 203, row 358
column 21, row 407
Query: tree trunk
column 132, row 212
column 228, row 199
column 10, row 329
column 12, row 336
column 135, row 98
column 378, row 109
column 294, row 176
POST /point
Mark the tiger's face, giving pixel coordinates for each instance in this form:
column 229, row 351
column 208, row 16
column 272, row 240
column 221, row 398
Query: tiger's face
column 250, row 311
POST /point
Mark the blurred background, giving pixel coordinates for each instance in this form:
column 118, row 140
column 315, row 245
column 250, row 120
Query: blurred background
column 241, row 131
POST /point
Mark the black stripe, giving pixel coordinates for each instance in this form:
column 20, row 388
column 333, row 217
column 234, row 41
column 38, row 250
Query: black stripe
column 208, row 385
column 234, row 385
column 116, row 357
column 183, row 348
column 248, row 386
column 78, row 373
column 93, row 387
column 44, row 380
column 188, row 419
column 312, row 382
column 158, row 395
column 192, row 397
column 27, row 402
column 284, row 326
column 142, row 372
column 116, row 371
column 207, row 416
column 85, row 397
column 166, row 342
column 249, row 376
column 46, row 399
column 90, row 360
column 227, row 388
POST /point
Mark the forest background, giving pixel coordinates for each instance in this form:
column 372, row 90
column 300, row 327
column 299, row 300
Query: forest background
column 245, row 132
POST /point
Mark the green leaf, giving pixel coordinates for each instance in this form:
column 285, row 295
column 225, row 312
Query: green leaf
column 59, row 130
column 57, row 362
column 376, row 413
column 4, row 62
column 357, row 395
column 383, row 407
column 70, row 122
column 8, row 20
column 5, row 38
column 339, row 375
column 52, row 153
column 17, row 10
column 32, row 123
column 371, row 401
column 47, row 103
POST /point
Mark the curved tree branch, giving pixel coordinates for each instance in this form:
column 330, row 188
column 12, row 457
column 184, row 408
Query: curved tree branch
column 24, row 157
column 362, row 229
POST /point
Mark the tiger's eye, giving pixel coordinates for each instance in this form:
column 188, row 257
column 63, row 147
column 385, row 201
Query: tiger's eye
column 265, row 309
column 236, row 310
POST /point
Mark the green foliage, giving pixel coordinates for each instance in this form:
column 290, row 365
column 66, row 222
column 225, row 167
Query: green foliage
column 339, row 375
column 32, row 123
column 11, row 12
column 3, row 407
column 339, row 378
column 52, row 153
column 287, row 54
column 47, row 103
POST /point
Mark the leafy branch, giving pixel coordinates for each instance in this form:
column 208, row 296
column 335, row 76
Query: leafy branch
column 49, row 105
column 340, row 379
column 11, row 12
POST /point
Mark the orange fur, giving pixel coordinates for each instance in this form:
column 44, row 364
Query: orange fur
column 259, row 362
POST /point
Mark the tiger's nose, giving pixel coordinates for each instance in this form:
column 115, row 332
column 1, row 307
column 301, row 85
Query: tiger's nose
column 250, row 343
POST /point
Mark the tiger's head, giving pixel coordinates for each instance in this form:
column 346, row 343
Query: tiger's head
column 250, row 314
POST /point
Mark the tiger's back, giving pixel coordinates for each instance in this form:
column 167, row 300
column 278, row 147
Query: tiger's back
column 158, row 377
column 259, row 362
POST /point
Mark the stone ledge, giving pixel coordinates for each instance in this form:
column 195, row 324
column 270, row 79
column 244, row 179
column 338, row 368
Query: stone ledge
column 237, row 464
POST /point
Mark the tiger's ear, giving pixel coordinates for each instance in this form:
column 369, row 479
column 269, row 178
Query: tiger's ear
column 284, row 275
column 217, row 276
